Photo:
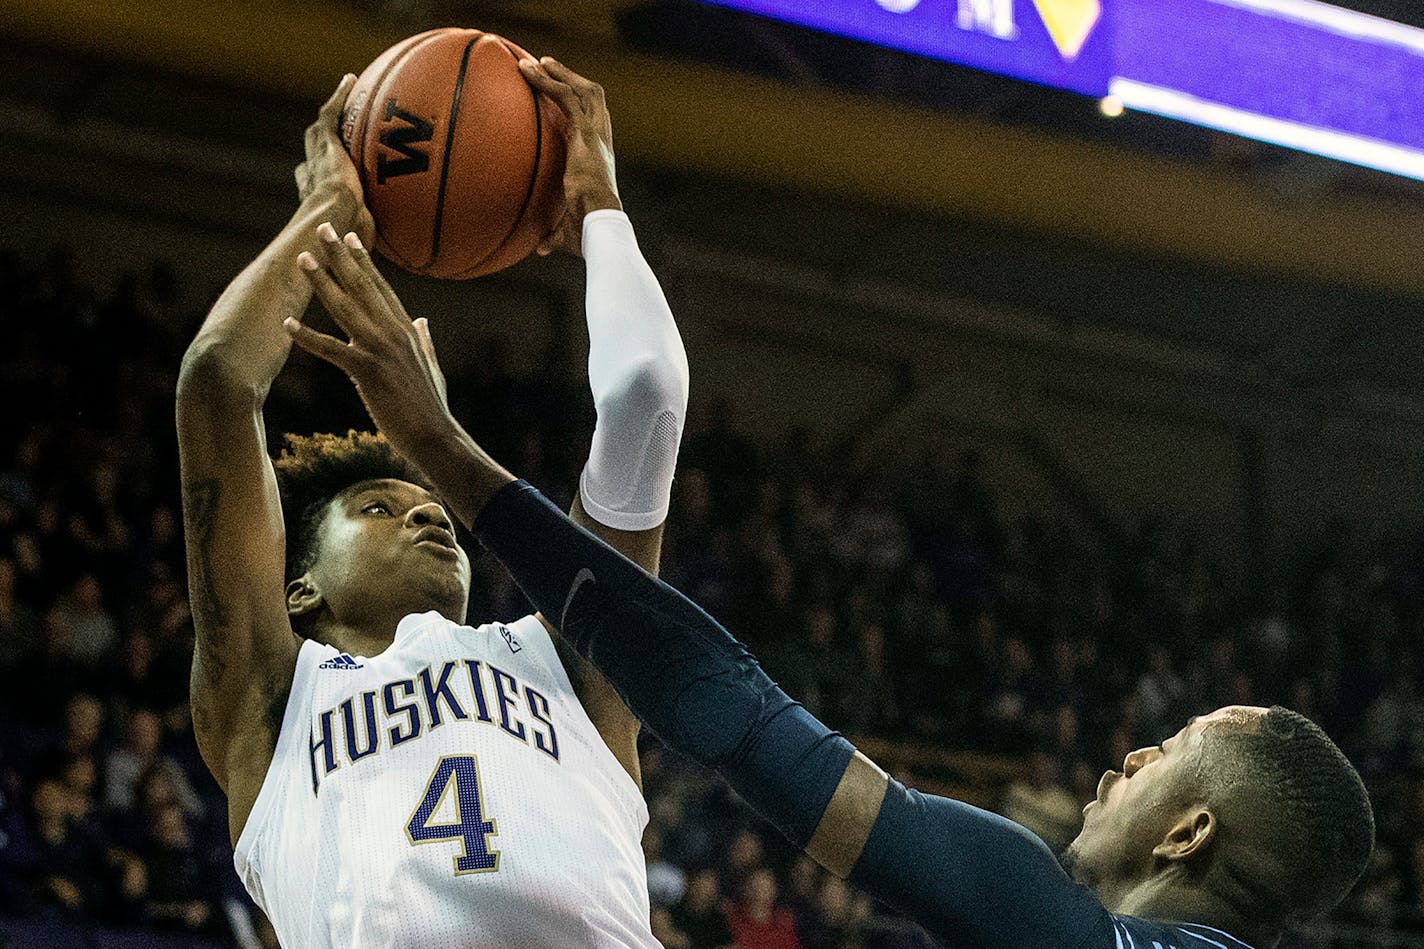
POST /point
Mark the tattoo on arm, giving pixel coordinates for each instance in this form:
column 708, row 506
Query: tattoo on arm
column 201, row 509
column 209, row 610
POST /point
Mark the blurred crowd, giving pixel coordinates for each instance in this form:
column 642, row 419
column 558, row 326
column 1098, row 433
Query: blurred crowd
column 897, row 603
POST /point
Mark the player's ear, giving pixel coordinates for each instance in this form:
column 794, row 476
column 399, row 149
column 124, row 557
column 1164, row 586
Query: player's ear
column 303, row 596
column 1190, row 836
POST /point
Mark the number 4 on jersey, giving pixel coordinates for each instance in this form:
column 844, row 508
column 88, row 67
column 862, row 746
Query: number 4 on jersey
column 461, row 772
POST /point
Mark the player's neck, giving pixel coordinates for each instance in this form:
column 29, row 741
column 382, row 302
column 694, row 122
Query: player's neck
column 355, row 642
column 1166, row 900
column 373, row 633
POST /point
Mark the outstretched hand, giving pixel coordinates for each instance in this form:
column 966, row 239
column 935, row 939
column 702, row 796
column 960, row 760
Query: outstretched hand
column 328, row 174
column 388, row 356
column 589, row 180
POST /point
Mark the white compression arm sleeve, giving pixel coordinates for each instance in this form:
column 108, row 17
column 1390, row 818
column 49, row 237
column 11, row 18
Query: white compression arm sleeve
column 637, row 369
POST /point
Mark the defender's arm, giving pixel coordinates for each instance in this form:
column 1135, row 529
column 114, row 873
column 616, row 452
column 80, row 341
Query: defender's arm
column 969, row 875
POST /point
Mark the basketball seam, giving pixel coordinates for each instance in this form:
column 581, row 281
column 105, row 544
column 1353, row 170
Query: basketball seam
column 529, row 192
column 449, row 144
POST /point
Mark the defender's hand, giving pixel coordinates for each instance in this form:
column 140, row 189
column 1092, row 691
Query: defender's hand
column 328, row 175
column 389, row 357
column 589, row 180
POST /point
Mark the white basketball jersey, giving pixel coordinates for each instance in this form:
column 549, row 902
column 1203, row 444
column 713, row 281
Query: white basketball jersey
column 450, row 792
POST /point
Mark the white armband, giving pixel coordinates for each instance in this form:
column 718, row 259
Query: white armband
column 638, row 371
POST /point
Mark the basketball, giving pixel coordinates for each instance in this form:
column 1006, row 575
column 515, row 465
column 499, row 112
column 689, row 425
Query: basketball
column 461, row 161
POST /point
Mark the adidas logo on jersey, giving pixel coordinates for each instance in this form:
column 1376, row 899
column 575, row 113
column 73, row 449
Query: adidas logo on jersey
column 514, row 644
column 342, row 661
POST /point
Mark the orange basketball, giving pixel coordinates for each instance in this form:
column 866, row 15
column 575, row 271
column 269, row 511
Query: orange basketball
column 462, row 162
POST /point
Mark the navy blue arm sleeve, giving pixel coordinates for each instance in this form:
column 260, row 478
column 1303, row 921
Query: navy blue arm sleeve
column 975, row 878
column 683, row 675
column 964, row 873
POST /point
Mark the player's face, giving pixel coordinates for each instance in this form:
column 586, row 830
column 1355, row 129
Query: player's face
column 1136, row 807
column 388, row 542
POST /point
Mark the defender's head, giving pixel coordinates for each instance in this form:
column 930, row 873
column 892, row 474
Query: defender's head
column 367, row 542
column 1256, row 808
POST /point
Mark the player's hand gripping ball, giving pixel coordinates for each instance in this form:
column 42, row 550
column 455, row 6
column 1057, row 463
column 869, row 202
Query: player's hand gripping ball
column 461, row 159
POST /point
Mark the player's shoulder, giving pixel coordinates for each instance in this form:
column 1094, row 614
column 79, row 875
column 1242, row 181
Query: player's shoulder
column 1134, row 933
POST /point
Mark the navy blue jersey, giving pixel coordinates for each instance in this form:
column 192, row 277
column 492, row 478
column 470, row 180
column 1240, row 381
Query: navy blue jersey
column 1134, row 933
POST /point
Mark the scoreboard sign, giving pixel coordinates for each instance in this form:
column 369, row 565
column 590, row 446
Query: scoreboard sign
column 1299, row 73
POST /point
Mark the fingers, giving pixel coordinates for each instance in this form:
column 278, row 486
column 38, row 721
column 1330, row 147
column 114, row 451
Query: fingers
column 561, row 92
column 332, row 107
column 571, row 91
column 427, row 345
column 350, row 316
column 328, row 119
column 358, row 298
column 320, row 345
column 564, row 74
column 358, row 253
column 366, row 289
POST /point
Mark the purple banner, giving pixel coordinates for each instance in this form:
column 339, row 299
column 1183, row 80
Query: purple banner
column 1301, row 73
column 998, row 36
column 1269, row 63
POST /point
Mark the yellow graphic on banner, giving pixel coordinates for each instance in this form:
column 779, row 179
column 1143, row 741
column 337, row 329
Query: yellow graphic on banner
column 1069, row 22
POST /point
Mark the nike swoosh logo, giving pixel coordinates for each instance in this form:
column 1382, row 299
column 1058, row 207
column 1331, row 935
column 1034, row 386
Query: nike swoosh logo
column 584, row 575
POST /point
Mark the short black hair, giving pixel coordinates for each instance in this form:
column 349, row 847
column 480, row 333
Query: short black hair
column 1307, row 799
column 314, row 469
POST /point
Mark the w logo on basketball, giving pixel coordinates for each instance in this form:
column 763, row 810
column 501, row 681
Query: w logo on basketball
column 402, row 133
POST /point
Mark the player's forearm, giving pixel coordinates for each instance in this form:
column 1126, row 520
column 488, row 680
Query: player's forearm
column 241, row 345
column 464, row 476
column 638, row 373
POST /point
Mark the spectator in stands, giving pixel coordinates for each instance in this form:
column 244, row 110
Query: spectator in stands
column 803, row 883
column 91, row 629
column 876, row 705
column 835, row 920
column 80, row 777
column 699, row 916
column 97, row 525
column 82, row 727
column 46, row 677
column 665, row 931
column 1010, row 689
column 181, row 891
column 829, row 676
column 1161, row 693
column 757, row 920
column 19, row 626
column 68, row 864
column 1040, row 802
column 873, row 534
column 666, row 881
column 743, row 855
column 141, row 752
